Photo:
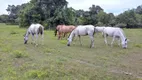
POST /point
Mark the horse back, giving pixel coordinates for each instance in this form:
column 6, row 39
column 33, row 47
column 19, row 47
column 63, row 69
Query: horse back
column 65, row 28
column 71, row 28
column 113, row 31
column 85, row 30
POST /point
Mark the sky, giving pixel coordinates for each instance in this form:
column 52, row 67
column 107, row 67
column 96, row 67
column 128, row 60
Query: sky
column 110, row 6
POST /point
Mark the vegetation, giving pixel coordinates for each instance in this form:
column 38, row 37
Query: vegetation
column 55, row 61
column 50, row 13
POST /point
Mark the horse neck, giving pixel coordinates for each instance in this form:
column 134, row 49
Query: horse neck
column 71, row 35
column 58, row 27
column 122, row 36
column 27, row 33
column 100, row 29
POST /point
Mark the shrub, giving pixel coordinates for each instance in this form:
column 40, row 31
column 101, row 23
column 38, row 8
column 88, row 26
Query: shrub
column 37, row 74
column 121, row 25
column 13, row 32
column 19, row 54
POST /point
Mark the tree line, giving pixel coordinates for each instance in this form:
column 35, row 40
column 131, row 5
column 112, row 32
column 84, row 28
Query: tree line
column 51, row 13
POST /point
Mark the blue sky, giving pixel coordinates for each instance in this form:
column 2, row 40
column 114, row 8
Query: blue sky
column 109, row 6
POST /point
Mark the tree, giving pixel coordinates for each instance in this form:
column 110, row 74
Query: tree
column 112, row 20
column 79, row 17
column 128, row 18
column 103, row 18
column 13, row 12
column 43, row 11
column 3, row 18
column 94, row 10
column 139, row 9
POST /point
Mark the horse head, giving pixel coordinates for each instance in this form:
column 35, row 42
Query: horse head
column 25, row 39
column 71, row 36
column 69, row 41
column 124, row 43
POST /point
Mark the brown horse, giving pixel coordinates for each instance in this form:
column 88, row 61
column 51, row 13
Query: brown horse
column 63, row 30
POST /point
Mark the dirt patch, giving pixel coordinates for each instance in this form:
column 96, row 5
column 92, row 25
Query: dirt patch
column 129, row 65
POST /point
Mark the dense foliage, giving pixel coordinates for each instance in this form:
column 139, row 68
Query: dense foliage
column 50, row 13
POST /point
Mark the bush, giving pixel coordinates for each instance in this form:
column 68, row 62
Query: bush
column 100, row 24
column 37, row 74
column 19, row 54
column 13, row 32
column 121, row 25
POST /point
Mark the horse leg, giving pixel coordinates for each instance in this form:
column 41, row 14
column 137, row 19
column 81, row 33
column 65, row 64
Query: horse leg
column 92, row 41
column 64, row 35
column 42, row 37
column 59, row 35
column 112, row 41
column 105, row 39
column 102, row 34
column 33, row 41
column 36, row 41
column 80, row 40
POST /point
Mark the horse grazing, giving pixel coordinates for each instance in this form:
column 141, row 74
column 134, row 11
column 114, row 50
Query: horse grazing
column 34, row 29
column 115, row 33
column 82, row 30
column 99, row 28
column 63, row 30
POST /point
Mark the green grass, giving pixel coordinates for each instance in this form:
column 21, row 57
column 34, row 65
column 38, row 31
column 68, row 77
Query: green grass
column 56, row 61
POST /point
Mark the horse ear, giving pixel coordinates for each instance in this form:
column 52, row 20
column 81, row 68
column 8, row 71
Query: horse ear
column 127, row 39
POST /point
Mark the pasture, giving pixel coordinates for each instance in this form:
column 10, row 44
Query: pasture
column 56, row 61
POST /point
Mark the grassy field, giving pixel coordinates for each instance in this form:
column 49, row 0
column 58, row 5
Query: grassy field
column 55, row 61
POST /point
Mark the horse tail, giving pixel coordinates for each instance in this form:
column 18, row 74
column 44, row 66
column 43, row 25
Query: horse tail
column 41, row 30
column 94, row 30
column 55, row 32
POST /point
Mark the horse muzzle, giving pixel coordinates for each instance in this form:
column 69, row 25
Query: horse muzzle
column 25, row 42
column 68, row 44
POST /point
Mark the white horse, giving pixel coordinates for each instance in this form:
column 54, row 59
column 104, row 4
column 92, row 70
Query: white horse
column 82, row 30
column 100, row 28
column 34, row 29
column 115, row 33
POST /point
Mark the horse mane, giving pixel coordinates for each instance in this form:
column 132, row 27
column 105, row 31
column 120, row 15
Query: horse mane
column 70, row 33
column 122, row 33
